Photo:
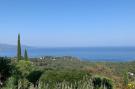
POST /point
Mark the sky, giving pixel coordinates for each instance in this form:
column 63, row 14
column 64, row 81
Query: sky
column 68, row 23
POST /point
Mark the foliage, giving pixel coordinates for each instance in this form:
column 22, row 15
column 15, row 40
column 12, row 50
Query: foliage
column 10, row 83
column 131, row 85
column 27, row 76
column 23, row 83
column 23, row 68
column 22, row 71
column 108, row 83
column 73, row 79
column 102, row 82
column 125, row 79
column 97, row 82
column 63, row 75
column 67, row 85
column 6, row 69
column 34, row 77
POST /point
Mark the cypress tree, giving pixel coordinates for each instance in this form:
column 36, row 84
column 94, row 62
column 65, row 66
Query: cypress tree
column 19, row 49
column 26, row 55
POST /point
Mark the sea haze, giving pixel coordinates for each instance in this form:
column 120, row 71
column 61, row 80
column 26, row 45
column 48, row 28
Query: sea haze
column 84, row 53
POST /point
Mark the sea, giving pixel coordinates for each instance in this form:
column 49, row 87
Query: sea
column 109, row 54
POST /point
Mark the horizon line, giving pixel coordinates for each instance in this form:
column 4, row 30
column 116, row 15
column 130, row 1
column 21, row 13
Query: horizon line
column 64, row 46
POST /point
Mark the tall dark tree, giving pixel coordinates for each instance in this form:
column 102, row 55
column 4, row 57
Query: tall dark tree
column 19, row 49
column 26, row 55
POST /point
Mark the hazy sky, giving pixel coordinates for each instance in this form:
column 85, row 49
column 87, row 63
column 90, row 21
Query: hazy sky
column 59, row 23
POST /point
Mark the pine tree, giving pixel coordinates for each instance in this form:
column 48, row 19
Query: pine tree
column 26, row 55
column 19, row 49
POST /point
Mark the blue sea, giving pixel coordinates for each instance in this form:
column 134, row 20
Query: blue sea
column 114, row 54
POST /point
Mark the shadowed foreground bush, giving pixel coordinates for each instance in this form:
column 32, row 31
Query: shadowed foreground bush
column 73, row 79
column 62, row 79
column 6, row 69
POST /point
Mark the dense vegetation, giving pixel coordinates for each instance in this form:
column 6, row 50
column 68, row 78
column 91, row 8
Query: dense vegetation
column 63, row 73
column 119, row 72
column 24, row 74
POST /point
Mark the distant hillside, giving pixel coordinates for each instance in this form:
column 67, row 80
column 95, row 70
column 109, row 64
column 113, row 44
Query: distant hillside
column 8, row 47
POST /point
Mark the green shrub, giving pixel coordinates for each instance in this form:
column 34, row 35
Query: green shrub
column 106, row 82
column 23, row 68
column 34, row 77
column 71, row 79
column 10, row 83
column 6, row 69
column 102, row 83
column 63, row 75
column 97, row 82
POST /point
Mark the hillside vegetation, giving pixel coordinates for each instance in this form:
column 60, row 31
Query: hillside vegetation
column 66, row 72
